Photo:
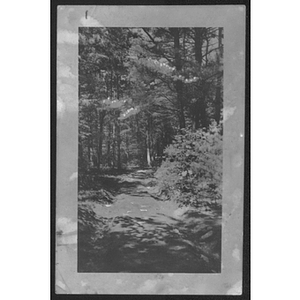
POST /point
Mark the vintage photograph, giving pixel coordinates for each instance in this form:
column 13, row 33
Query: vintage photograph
column 150, row 149
column 150, row 107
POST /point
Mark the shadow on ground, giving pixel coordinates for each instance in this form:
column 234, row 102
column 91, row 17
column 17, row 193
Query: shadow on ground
column 129, row 231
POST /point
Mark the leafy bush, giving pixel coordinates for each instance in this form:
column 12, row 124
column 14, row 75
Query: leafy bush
column 192, row 171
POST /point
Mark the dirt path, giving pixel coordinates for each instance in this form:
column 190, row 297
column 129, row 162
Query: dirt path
column 137, row 233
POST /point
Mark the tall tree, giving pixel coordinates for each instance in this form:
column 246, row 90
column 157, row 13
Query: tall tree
column 138, row 86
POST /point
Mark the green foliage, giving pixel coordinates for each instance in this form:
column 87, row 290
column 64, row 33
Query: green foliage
column 192, row 171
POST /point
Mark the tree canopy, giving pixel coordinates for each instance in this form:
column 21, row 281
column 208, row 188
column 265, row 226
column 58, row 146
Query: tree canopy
column 140, row 87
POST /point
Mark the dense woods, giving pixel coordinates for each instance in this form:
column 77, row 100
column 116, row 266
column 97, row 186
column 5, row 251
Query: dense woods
column 139, row 86
column 150, row 149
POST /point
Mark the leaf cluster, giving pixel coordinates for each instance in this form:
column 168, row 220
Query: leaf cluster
column 191, row 173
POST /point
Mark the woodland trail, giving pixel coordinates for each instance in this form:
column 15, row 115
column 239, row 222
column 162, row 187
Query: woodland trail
column 135, row 232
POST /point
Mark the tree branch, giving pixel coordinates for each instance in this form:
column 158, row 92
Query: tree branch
column 155, row 43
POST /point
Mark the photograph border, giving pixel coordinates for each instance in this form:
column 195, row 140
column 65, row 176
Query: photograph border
column 246, row 202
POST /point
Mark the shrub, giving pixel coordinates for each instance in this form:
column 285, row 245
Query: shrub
column 192, row 171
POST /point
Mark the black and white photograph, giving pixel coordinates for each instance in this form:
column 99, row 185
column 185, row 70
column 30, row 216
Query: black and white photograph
column 150, row 149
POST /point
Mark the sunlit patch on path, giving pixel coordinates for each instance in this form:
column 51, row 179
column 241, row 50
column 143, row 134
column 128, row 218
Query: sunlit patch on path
column 135, row 232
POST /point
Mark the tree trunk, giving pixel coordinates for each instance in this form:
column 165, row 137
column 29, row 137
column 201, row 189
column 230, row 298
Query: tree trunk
column 139, row 140
column 203, row 113
column 196, row 117
column 148, row 141
column 108, row 154
column 113, row 145
column 127, row 149
column 218, row 99
column 118, row 136
column 100, row 137
column 118, row 125
column 198, row 44
column 178, row 83
column 200, row 107
column 148, row 150
column 89, row 152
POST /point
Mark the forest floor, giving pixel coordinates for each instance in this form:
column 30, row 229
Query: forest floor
column 125, row 227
